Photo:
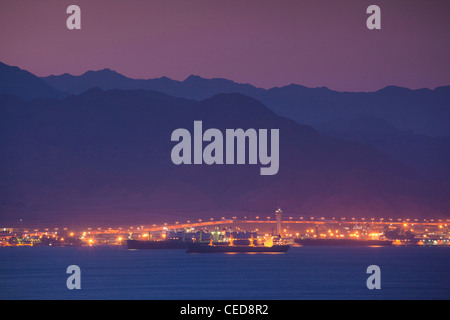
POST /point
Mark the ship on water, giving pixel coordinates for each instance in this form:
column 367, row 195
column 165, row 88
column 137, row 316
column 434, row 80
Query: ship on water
column 180, row 240
column 270, row 245
column 183, row 239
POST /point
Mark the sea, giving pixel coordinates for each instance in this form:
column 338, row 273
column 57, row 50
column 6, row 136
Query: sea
column 302, row 273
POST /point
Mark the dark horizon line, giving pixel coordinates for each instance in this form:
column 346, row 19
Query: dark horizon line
column 234, row 82
column 239, row 83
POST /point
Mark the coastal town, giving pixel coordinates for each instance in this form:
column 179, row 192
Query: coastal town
column 293, row 230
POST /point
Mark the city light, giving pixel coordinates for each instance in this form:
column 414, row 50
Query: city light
column 433, row 230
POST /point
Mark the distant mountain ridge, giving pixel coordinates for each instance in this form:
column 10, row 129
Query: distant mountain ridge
column 193, row 87
column 24, row 84
column 423, row 111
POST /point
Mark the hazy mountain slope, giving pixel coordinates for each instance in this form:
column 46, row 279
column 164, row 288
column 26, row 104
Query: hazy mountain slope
column 104, row 156
column 24, row 84
column 422, row 111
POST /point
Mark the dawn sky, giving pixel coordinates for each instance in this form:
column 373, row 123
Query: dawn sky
column 266, row 43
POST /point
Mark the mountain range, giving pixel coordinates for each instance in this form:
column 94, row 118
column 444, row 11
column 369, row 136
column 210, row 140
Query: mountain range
column 423, row 111
column 103, row 156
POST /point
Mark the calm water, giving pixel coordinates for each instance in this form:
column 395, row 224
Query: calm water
column 301, row 273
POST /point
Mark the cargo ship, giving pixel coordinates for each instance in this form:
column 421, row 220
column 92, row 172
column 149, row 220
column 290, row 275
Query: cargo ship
column 341, row 242
column 165, row 244
column 227, row 248
column 271, row 244
column 182, row 240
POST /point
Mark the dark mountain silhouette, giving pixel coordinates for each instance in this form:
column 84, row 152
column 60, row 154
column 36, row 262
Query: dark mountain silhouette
column 423, row 111
column 104, row 157
column 24, row 84
column 193, row 87
column 428, row 155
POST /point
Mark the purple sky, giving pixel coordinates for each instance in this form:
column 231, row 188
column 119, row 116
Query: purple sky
column 265, row 43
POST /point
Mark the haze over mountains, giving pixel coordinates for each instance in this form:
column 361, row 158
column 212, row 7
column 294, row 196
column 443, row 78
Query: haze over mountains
column 104, row 156
column 423, row 111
